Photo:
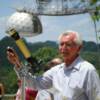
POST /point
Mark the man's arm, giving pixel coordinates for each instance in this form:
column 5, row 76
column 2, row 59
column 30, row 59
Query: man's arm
column 93, row 85
column 36, row 82
column 23, row 71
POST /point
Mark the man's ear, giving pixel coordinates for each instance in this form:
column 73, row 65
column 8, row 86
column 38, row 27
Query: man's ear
column 79, row 48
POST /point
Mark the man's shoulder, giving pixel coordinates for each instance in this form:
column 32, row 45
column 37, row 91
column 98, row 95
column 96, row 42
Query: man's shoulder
column 54, row 69
column 85, row 65
column 57, row 67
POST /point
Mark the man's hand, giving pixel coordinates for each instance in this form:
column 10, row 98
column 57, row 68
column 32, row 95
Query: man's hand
column 13, row 57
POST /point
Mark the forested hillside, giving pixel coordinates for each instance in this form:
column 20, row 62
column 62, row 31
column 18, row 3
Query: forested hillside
column 41, row 50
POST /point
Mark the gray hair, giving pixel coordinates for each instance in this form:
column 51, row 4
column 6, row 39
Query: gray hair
column 77, row 39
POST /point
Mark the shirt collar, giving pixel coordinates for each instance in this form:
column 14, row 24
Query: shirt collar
column 75, row 64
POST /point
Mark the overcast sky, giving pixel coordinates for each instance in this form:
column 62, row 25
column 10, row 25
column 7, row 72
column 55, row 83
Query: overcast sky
column 52, row 25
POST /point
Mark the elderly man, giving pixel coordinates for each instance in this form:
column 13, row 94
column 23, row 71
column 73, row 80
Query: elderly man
column 75, row 79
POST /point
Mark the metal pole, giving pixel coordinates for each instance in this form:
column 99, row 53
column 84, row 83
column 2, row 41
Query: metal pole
column 23, row 88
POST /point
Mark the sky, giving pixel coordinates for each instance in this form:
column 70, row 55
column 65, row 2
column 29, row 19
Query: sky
column 52, row 25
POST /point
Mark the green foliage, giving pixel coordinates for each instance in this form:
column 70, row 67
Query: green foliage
column 92, row 57
column 9, row 79
column 46, row 53
column 96, row 16
column 92, row 2
column 11, row 82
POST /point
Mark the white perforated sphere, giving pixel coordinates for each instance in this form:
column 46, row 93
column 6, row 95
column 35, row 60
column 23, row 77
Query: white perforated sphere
column 24, row 23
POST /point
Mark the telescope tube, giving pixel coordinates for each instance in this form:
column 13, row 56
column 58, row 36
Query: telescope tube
column 21, row 45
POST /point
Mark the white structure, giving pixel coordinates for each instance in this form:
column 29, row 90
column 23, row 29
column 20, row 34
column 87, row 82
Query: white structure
column 24, row 23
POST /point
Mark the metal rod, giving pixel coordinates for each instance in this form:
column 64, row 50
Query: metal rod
column 23, row 88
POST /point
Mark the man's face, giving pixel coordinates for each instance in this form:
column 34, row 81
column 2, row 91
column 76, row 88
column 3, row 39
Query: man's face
column 68, row 48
